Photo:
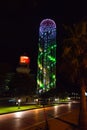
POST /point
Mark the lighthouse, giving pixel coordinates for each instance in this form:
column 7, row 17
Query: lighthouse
column 24, row 62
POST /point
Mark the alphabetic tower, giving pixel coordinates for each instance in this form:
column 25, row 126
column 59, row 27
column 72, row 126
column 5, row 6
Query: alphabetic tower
column 46, row 72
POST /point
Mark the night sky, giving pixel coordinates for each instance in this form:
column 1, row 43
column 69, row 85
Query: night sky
column 19, row 25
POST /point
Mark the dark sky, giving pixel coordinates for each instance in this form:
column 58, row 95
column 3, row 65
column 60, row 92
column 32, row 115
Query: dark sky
column 20, row 20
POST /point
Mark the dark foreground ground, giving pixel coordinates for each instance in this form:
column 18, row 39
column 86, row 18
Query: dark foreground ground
column 68, row 121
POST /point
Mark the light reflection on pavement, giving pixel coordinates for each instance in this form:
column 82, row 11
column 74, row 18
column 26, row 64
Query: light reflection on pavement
column 24, row 119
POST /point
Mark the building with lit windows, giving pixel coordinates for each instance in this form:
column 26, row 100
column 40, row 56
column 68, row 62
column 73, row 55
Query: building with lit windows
column 46, row 72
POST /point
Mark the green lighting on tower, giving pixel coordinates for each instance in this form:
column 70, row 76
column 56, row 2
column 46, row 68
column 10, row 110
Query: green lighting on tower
column 46, row 72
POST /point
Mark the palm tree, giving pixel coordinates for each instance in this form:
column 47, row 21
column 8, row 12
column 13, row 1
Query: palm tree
column 74, row 63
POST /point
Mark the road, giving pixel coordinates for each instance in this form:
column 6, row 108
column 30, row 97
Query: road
column 26, row 119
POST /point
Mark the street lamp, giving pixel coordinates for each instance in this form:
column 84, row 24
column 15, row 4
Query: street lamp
column 19, row 101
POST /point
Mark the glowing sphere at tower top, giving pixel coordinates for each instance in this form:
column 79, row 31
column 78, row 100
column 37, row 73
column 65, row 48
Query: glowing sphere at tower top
column 48, row 22
column 47, row 26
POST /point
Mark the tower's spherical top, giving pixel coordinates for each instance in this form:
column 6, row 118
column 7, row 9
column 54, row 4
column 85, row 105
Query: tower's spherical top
column 48, row 22
column 47, row 25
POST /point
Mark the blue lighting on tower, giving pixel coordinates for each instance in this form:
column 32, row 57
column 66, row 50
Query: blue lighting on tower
column 46, row 74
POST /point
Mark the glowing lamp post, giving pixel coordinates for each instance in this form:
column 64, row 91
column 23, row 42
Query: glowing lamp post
column 19, row 101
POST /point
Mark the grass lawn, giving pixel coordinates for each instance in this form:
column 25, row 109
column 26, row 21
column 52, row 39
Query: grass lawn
column 15, row 108
column 8, row 109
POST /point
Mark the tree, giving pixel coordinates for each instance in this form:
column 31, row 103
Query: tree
column 22, row 85
column 74, row 63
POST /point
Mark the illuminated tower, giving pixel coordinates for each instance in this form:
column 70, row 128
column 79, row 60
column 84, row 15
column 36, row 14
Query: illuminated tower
column 23, row 65
column 46, row 73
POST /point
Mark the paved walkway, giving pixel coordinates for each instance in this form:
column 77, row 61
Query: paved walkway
column 68, row 121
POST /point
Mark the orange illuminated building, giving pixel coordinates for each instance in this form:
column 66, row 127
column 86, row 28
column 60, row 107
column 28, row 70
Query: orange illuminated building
column 24, row 62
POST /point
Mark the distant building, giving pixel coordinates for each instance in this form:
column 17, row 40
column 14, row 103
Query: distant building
column 23, row 65
column 5, row 78
column 21, row 83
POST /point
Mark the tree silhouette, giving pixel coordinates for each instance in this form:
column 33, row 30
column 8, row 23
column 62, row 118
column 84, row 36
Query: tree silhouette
column 74, row 62
column 22, row 85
